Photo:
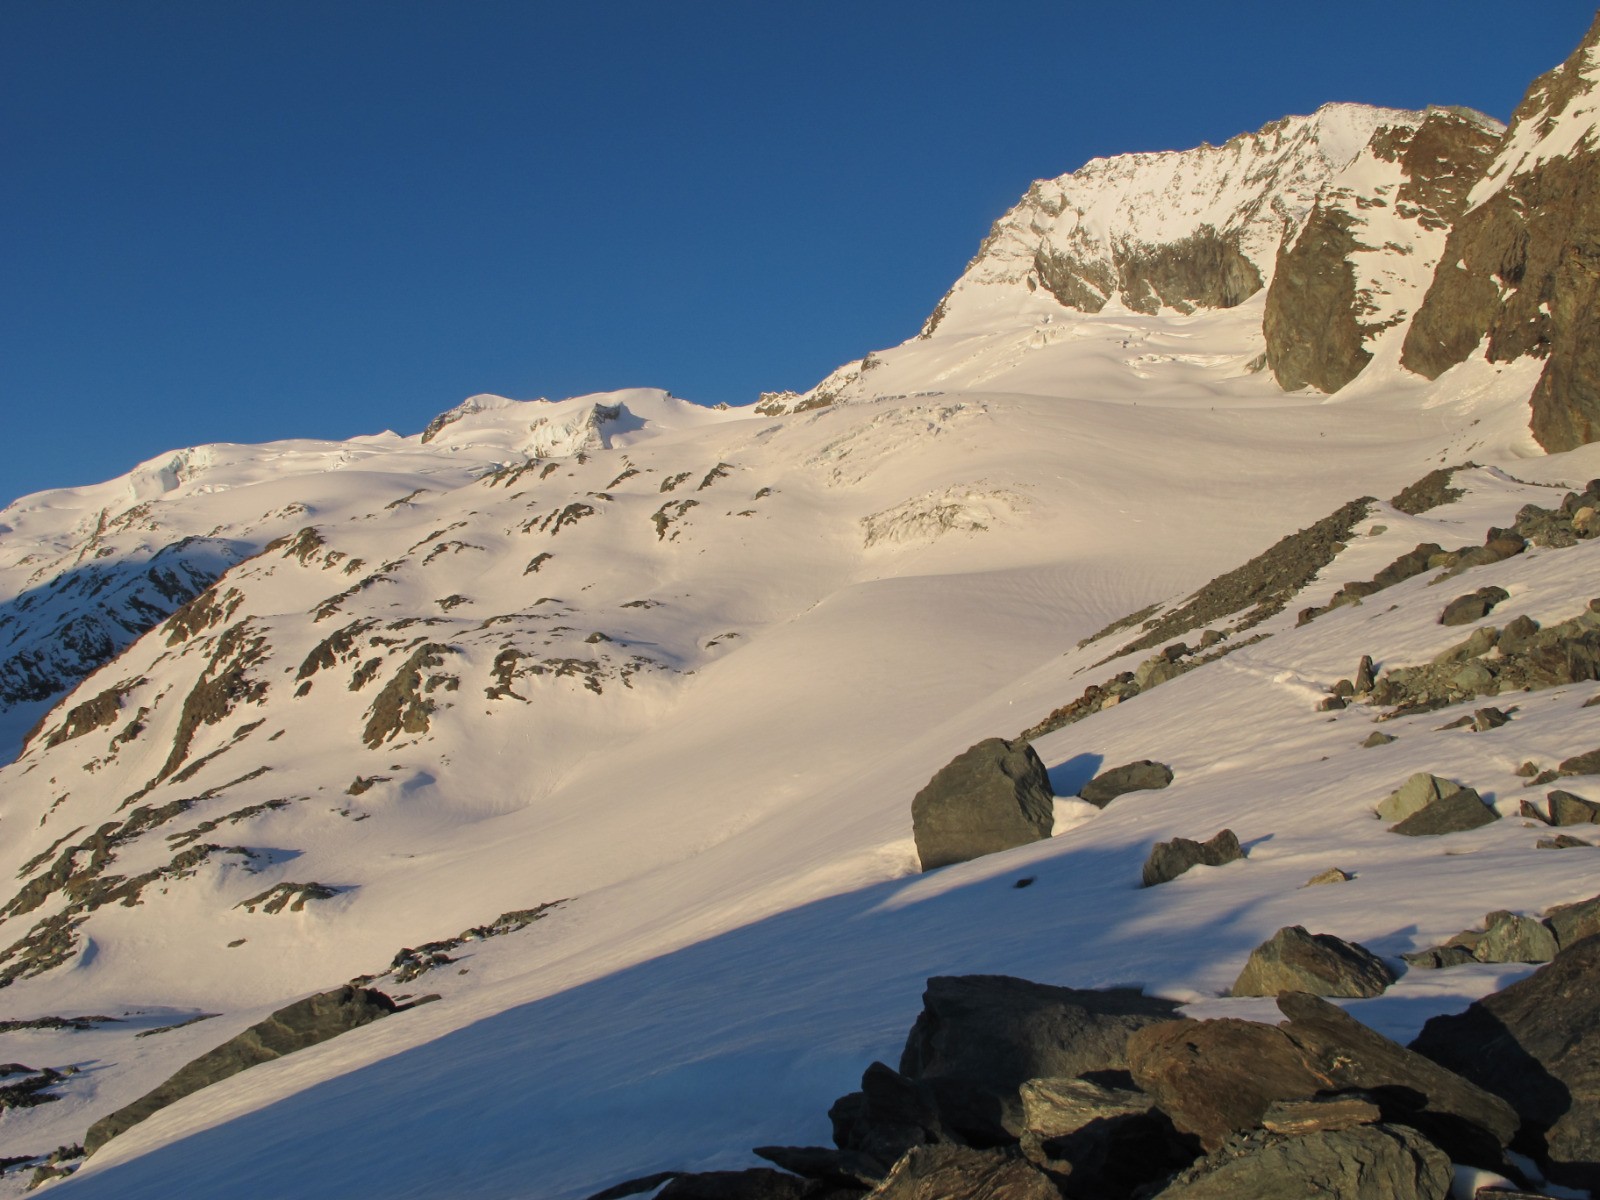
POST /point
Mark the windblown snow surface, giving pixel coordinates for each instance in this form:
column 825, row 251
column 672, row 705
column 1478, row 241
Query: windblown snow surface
column 753, row 640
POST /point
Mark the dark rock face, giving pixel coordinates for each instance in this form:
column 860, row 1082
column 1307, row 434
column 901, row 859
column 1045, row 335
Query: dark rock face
column 293, row 1027
column 1313, row 337
column 1293, row 960
column 1521, row 268
column 943, row 1172
column 1142, row 776
column 1204, row 270
column 1317, row 319
column 1168, row 860
column 1370, row 1162
column 1215, row 1078
column 994, row 796
column 980, row 1037
column 1537, row 1044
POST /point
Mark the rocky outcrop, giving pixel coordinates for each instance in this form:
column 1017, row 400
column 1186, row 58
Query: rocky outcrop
column 1340, row 282
column 293, row 1027
column 994, row 796
column 1293, row 960
column 1521, row 266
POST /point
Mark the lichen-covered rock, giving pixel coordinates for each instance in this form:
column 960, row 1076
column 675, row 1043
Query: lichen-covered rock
column 993, row 796
column 1414, row 795
column 1293, row 960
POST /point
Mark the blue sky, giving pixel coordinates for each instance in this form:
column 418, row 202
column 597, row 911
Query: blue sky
column 252, row 219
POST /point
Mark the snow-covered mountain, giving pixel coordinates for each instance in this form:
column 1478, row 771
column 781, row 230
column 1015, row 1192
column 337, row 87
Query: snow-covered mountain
column 599, row 720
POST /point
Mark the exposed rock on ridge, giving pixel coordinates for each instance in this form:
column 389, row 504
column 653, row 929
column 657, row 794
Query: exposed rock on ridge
column 1521, row 267
column 1346, row 279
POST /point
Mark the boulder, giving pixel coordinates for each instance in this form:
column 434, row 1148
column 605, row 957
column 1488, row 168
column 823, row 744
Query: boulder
column 1168, row 860
column 1109, row 1140
column 1331, row 875
column 1571, row 923
column 1568, row 809
column 994, row 796
column 943, row 1172
column 1537, row 1045
column 1513, row 938
column 1216, row 1078
column 1414, row 795
column 979, row 1038
column 1367, row 1162
column 1562, row 841
column 1213, row 1078
column 1376, row 738
column 1293, row 960
column 1459, row 811
column 1587, row 763
column 293, row 1027
column 1365, row 679
column 1464, row 610
column 1144, row 775
column 1485, row 719
column 887, row 1117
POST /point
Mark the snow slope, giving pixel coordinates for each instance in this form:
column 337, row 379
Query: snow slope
column 682, row 670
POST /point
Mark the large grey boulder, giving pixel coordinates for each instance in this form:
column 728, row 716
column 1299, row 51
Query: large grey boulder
column 1293, row 960
column 992, row 797
column 1537, row 1045
column 979, row 1038
column 1142, row 776
column 1414, row 795
column 1474, row 606
column 293, row 1027
column 1367, row 1162
column 1168, row 860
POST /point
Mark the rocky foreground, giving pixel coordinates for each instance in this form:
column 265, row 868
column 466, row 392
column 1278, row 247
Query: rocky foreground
column 1013, row 1090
